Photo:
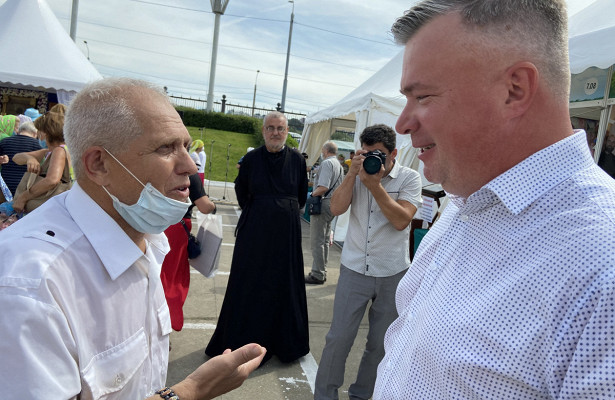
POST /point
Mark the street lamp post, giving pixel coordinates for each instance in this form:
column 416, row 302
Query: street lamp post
column 218, row 7
column 87, row 48
column 290, row 36
column 73, row 20
column 254, row 97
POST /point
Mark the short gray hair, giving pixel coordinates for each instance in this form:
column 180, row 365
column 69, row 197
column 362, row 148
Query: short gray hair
column 536, row 28
column 330, row 147
column 275, row 114
column 28, row 127
column 105, row 113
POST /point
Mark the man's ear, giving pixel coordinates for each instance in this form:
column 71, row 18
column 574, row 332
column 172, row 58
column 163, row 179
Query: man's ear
column 394, row 153
column 95, row 161
column 522, row 83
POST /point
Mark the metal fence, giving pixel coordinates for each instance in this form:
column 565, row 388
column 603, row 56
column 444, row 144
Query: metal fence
column 228, row 108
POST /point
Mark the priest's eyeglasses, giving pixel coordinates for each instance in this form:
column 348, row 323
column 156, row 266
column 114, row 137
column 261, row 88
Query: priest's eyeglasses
column 272, row 128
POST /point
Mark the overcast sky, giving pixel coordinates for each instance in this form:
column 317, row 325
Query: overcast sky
column 336, row 45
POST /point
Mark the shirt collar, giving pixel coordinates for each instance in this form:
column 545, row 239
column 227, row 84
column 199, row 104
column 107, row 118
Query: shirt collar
column 394, row 171
column 115, row 249
column 527, row 181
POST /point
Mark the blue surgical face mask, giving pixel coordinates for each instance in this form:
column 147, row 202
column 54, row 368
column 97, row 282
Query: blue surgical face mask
column 43, row 143
column 153, row 212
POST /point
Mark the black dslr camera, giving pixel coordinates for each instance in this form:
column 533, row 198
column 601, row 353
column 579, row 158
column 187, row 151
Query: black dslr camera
column 374, row 160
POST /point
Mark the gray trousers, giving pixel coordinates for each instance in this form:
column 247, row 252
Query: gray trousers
column 353, row 293
column 320, row 231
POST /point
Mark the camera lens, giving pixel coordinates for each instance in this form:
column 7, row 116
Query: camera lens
column 372, row 164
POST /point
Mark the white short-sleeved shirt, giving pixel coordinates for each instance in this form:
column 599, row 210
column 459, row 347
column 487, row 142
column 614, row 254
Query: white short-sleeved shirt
column 511, row 294
column 83, row 310
column 373, row 247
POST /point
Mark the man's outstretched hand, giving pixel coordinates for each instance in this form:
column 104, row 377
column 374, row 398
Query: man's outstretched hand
column 221, row 374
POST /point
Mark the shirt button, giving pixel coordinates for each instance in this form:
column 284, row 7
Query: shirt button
column 464, row 218
column 119, row 378
column 433, row 266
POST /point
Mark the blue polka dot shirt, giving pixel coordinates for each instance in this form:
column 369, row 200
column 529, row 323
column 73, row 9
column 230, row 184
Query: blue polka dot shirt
column 511, row 293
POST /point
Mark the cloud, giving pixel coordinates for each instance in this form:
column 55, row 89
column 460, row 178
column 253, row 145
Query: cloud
column 336, row 45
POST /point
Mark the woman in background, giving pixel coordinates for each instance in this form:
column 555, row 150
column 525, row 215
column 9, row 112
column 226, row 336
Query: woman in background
column 198, row 156
column 9, row 124
column 52, row 163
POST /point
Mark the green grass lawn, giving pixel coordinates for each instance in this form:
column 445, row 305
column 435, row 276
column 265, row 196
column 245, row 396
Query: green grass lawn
column 239, row 143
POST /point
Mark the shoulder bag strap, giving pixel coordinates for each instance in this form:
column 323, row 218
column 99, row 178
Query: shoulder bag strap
column 339, row 175
column 185, row 227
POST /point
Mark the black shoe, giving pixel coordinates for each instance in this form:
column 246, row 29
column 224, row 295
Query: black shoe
column 312, row 280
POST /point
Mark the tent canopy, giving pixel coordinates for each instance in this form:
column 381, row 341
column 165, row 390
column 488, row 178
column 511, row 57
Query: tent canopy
column 376, row 101
column 38, row 52
column 591, row 34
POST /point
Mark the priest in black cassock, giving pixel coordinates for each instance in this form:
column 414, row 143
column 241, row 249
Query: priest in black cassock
column 265, row 300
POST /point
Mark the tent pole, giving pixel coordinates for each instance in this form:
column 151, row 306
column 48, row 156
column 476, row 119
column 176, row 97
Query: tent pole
column 604, row 116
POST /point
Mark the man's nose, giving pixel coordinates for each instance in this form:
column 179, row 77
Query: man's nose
column 406, row 123
column 186, row 164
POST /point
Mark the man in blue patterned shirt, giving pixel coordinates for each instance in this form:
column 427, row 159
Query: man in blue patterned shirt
column 511, row 294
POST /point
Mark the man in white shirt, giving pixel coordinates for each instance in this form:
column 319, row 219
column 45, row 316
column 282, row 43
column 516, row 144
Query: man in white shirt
column 330, row 175
column 511, row 293
column 382, row 200
column 83, row 310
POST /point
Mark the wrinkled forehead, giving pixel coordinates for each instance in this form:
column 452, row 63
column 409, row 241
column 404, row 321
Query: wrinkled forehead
column 274, row 121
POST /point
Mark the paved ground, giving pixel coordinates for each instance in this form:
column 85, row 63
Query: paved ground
column 275, row 380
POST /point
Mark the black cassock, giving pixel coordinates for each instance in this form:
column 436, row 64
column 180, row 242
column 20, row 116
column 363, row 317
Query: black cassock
column 265, row 300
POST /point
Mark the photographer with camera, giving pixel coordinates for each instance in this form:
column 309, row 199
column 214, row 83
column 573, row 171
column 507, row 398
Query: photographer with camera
column 384, row 197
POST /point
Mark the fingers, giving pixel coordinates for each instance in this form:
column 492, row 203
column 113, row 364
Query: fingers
column 248, row 353
column 18, row 206
column 33, row 167
column 251, row 365
column 248, row 357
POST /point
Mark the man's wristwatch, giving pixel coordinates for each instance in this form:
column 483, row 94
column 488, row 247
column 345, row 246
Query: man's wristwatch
column 167, row 393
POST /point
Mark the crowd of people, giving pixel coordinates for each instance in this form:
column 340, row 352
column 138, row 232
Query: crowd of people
column 510, row 294
column 34, row 162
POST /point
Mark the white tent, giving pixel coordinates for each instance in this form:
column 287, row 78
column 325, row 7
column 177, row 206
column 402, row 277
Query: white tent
column 38, row 53
column 592, row 36
column 592, row 55
column 376, row 101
